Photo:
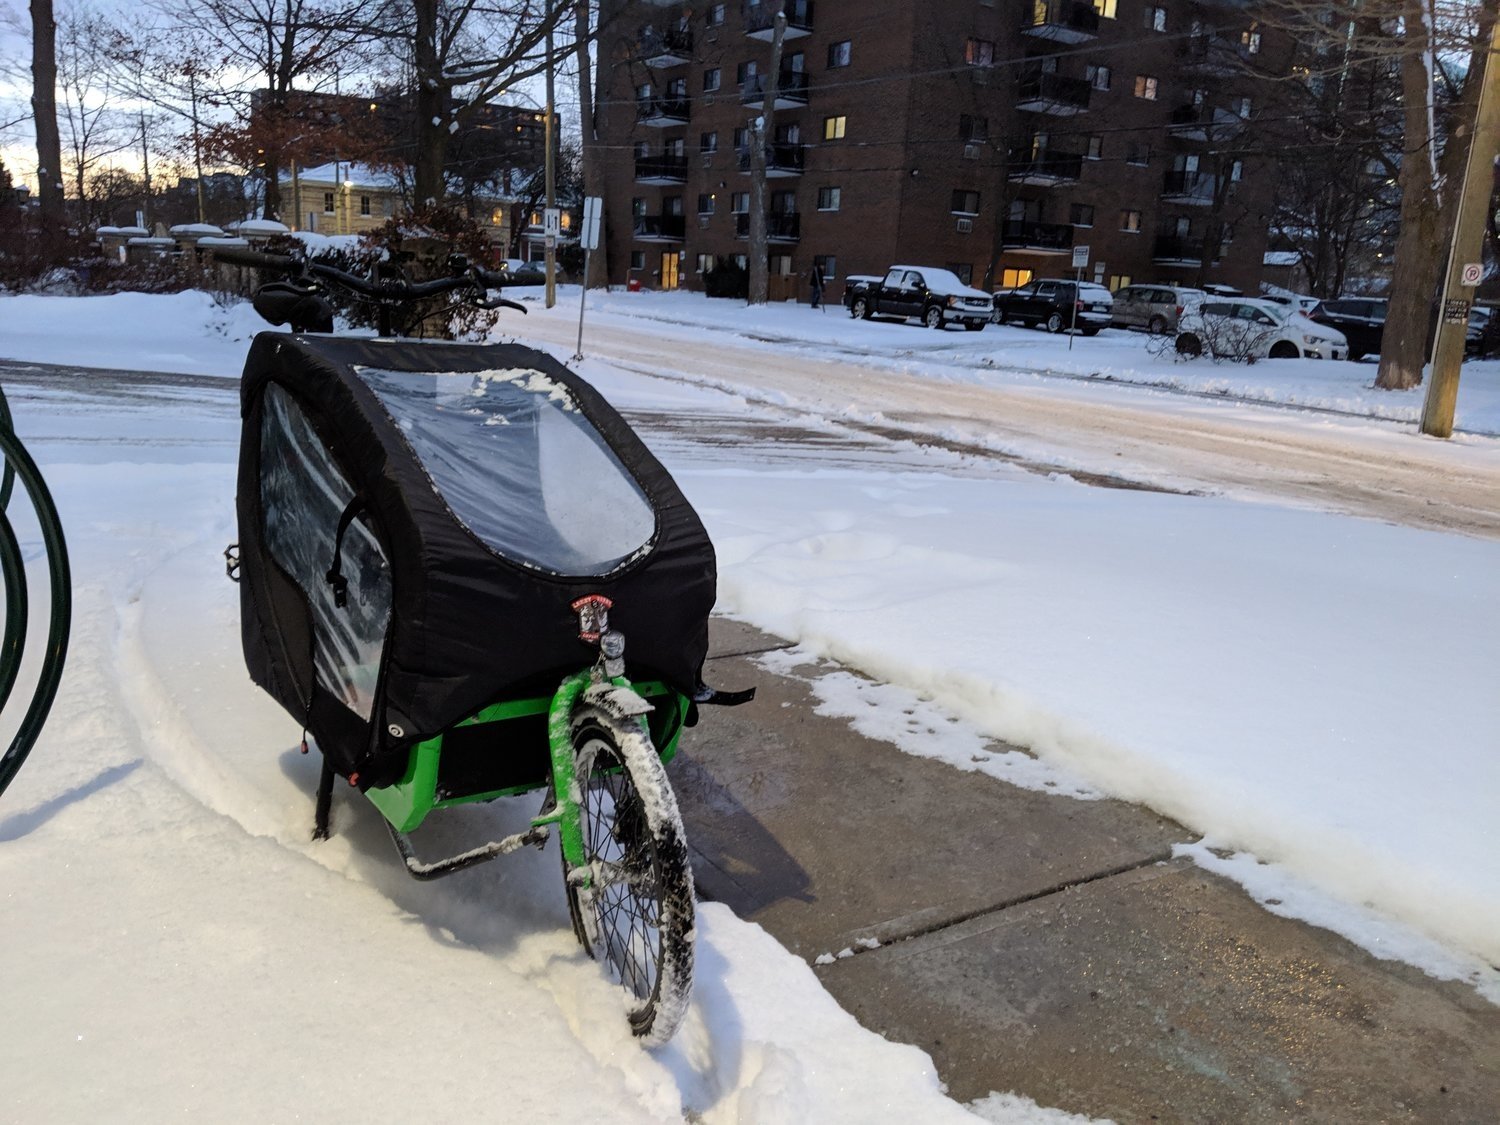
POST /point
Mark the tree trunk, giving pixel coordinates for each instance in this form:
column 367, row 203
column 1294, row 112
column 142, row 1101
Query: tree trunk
column 593, row 180
column 431, row 124
column 1419, row 245
column 762, row 132
column 44, row 113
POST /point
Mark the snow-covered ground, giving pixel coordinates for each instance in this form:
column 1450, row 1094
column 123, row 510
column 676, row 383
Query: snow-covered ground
column 1312, row 692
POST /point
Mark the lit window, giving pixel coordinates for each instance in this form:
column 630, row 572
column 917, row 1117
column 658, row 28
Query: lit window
column 1118, row 282
column 1130, row 220
column 1145, row 87
column 1105, row 8
column 1014, row 279
column 979, row 52
column 1250, row 40
column 833, row 128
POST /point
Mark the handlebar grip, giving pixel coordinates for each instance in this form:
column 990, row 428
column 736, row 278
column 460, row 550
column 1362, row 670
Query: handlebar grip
column 257, row 259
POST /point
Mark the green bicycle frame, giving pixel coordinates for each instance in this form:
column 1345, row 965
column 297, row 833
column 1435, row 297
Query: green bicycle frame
column 406, row 803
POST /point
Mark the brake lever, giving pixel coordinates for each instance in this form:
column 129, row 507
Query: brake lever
column 502, row 303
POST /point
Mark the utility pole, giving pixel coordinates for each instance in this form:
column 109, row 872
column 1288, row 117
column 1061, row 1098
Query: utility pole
column 551, row 166
column 1466, row 249
column 762, row 128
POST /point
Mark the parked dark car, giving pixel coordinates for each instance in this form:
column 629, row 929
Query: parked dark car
column 936, row 297
column 1057, row 305
column 1360, row 319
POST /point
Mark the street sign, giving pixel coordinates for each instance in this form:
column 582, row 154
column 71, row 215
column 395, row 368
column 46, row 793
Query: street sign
column 593, row 210
column 1472, row 273
column 550, row 241
column 1455, row 312
column 1080, row 257
column 552, row 222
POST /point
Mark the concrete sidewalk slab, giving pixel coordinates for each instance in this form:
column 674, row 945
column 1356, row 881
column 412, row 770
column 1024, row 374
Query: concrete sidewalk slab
column 1047, row 945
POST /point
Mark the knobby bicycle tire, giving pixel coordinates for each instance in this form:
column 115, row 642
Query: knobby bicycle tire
column 641, row 899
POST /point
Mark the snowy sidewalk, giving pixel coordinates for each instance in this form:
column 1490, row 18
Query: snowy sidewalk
column 1049, row 944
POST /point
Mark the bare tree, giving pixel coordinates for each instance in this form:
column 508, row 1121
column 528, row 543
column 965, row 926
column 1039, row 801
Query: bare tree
column 464, row 55
column 44, row 113
column 92, row 125
column 1437, row 48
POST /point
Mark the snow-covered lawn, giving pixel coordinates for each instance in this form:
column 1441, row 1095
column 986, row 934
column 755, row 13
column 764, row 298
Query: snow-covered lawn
column 1271, row 677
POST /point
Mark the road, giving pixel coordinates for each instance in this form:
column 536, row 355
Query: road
column 1112, row 434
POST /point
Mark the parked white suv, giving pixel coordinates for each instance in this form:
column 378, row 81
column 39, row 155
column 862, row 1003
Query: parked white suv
column 1253, row 328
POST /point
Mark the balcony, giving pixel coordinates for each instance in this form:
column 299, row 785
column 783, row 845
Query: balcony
column 1195, row 189
column 1044, row 168
column 1174, row 250
column 1062, row 21
column 1052, row 93
column 760, row 20
column 779, row 227
column 659, row 228
column 666, row 47
column 1211, row 54
column 791, row 90
column 1204, row 123
column 1037, row 238
column 661, row 113
column 663, row 169
column 782, row 160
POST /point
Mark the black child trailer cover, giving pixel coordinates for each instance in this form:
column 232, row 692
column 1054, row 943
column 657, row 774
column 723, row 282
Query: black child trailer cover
column 415, row 521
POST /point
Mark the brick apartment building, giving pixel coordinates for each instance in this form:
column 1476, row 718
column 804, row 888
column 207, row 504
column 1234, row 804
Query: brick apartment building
column 988, row 136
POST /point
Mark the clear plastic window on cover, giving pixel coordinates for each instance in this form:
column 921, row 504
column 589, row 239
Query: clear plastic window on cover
column 302, row 496
column 520, row 466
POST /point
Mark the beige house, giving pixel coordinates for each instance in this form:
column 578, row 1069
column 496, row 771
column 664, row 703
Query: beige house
column 348, row 198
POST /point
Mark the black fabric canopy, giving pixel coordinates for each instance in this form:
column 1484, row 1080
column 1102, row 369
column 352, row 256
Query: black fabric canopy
column 416, row 520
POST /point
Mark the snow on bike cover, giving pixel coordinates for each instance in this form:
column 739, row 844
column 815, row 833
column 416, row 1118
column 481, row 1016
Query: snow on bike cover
column 416, row 519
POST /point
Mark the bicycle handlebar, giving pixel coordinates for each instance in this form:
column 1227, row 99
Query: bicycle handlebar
column 392, row 290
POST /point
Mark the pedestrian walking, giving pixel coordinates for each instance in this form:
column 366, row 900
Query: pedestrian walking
column 815, row 279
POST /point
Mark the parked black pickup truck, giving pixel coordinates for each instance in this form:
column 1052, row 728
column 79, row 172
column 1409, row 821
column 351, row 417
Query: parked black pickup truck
column 935, row 296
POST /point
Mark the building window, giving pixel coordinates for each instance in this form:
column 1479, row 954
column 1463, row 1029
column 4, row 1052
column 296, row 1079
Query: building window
column 1014, row 279
column 745, row 71
column 1145, row 87
column 1236, row 170
column 715, row 17
column 1250, row 40
column 833, row 128
column 364, row 205
column 1095, row 149
column 964, row 271
column 643, row 92
column 1156, row 19
column 979, row 52
column 742, row 261
column 1138, row 154
column 1118, row 282
column 973, row 128
column 708, row 143
column 1098, row 273
column 1081, row 214
column 1099, row 77
column 1130, row 221
column 711, row 79
column 1226, row 234
column 739, row 203
column 827, row 265
column 328, row 203
column 1105, row 8
column 838, row 54
column 637, row 259
column 1242, row 107
column 828, row 198
column 705, row 204
column 965, row 202
column 706, row 263
column 741, row 137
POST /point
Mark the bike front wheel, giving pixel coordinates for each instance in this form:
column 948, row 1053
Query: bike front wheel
column 636, row 912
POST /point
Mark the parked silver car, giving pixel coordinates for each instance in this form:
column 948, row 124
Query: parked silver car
column 1152, row 307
